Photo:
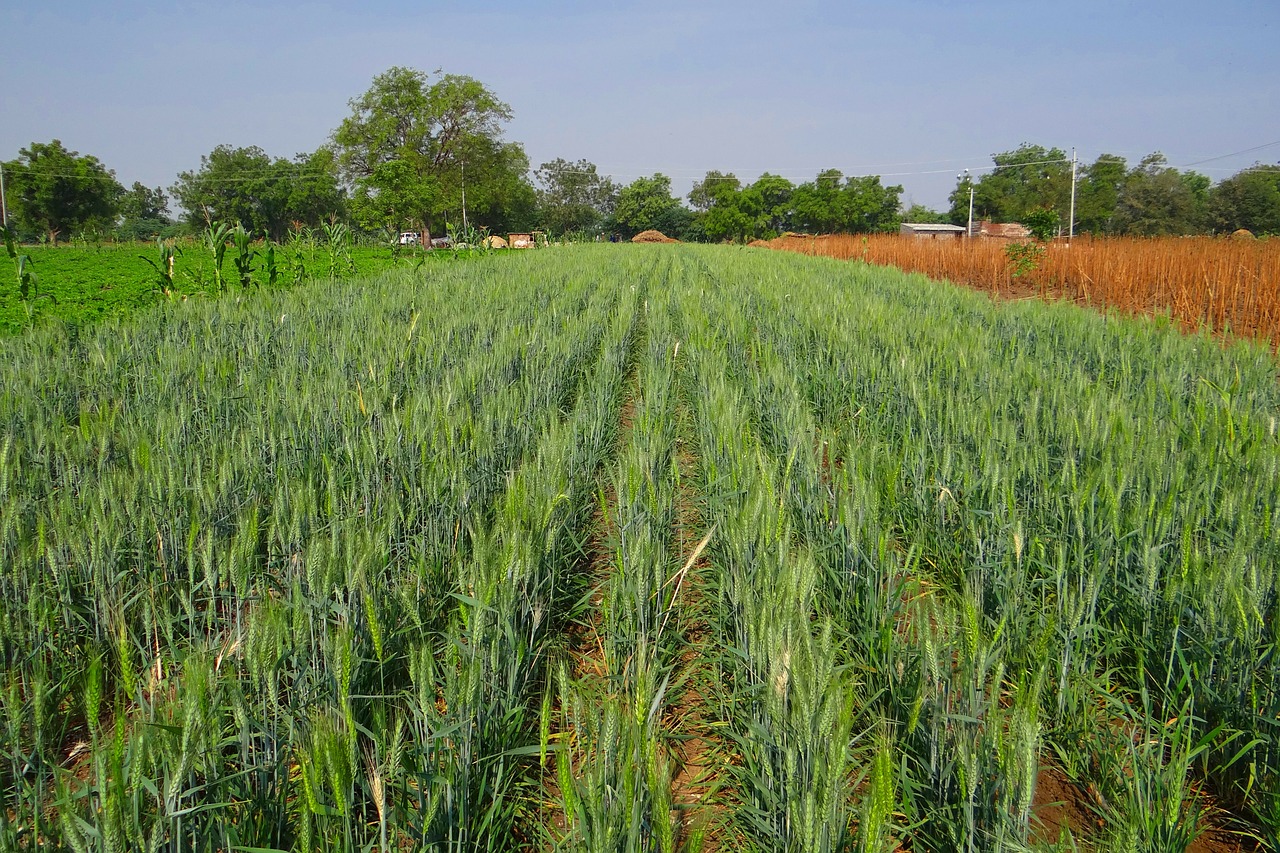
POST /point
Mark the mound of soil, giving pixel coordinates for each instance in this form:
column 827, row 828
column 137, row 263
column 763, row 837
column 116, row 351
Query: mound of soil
column 759, row 243
column 652, row 237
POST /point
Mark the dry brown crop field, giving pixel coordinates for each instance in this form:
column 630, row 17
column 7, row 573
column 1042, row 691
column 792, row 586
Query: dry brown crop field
column 1229, row 285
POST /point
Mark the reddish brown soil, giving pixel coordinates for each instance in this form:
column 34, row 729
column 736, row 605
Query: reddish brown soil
column 1061, row 807
column 699, row 756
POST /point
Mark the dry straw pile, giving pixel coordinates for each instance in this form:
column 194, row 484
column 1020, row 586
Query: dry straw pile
column 652, row 236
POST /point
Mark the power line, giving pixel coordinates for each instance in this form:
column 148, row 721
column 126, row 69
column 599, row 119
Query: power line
column 1232, row 154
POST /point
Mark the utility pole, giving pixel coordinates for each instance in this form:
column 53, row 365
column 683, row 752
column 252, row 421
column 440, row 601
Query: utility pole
column 968, row 179
column 1071, row 224
column 4, row 209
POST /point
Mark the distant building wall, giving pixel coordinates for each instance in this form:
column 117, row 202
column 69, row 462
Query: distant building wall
column 930, row 231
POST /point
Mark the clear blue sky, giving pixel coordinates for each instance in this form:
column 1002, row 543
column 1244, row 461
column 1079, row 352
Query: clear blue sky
column 917, row 87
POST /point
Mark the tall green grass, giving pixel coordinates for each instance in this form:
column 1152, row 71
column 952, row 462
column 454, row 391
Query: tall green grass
column 297, row 570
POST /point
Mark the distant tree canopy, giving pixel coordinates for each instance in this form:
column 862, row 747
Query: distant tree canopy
column 647, row 203
column 921, row 213
column 1147, row 200
column 247, row 187
column 415, row 150
column 53, row 192
column 1031, row 177
column 1249, row 199
column 573, row 197
column 144, row 213
column 772, row 204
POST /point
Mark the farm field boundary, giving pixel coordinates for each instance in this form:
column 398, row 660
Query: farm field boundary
column 879, row 562
column 1226, row 285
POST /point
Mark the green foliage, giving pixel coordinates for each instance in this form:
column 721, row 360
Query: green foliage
column 921, row 213
column 338, row 243
column 412, row 144
column 216, row 236
column 302, row 569
column 1156, row 200
column 55, row 192
column 244, row 257
column 647, row 203
column 166, row 254
column 573, row 197
column 1027, row 178
column 1098, row 195
column 714, row 187
column 861, row 205
column 1249, row 199
column 1043, row 224
column 1024, row 256
column 85, row 284
column 245, row 187
column 22, row 267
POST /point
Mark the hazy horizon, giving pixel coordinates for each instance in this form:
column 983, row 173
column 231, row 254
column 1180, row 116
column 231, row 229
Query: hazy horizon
column 914, row 92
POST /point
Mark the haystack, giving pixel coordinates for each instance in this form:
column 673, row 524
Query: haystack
column 652, row 236
column 759, row 243
column 1242, row 234
column 495, row 242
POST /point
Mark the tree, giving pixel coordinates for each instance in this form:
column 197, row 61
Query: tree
column 442, row 136
column 1156, row 200
column 573, row 196
column 646, row 203
column 1028, row 178
column 714, row 186
column 921, row 213
column 769, row 198
column 315, row 194
column 866, row 206
column 144, row 212
column 246, row 187
column 833, row 204
column 53, row 191
column 1098, row 194
column 1249, row 199
column 817, row 205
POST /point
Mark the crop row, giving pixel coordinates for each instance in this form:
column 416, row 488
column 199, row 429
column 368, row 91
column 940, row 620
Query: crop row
column 259, row 557
column 406, row 563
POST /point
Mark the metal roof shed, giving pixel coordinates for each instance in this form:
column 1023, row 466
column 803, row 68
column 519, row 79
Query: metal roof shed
column 931, row 231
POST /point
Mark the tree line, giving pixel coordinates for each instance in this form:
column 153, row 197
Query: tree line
column 1148, row 199
column 427, row 152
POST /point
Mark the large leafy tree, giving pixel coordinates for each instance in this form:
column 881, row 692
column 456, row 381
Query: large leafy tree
column 1249, row 199
column 646, row 203
column 573, row 196
column 247, row 187
column 868, row 206
column 714, row 187
column 832, row 204
column 144, row 212
column 734, row 212
column 53, row 191
column 817, row 204
column 1027, row 179
column 413, row 147
column 769, row 197
column 1098, row 193
column 1157, row 200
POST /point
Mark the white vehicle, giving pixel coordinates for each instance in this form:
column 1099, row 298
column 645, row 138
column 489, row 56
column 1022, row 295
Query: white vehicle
column 408, row 238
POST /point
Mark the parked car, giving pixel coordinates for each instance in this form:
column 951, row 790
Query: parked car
column 408, row 238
